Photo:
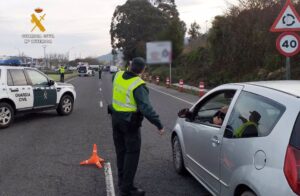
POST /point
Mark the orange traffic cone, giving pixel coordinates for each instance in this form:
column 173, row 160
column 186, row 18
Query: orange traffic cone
column 95, row 159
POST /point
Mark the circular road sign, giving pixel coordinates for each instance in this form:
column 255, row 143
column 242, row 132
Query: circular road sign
column 288, row 44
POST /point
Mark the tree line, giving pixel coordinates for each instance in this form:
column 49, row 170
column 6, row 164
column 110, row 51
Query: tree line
column 238, row 47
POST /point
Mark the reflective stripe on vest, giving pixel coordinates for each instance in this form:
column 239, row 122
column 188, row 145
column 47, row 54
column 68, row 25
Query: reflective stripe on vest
column 123, row 100
column 239, row 132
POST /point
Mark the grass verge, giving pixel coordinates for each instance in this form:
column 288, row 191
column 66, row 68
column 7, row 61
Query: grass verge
column 56, row 77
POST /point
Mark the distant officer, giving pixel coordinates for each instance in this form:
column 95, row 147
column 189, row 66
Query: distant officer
column 130, row 105
column 100, row 71
column 62, row 73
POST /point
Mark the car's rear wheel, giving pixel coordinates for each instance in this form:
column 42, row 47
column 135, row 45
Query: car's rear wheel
column 6, row 115
column 248, row 193
column 178, row 161
column 65, row 106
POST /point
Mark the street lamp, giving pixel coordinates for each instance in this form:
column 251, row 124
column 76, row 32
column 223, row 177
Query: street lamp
column 69, row 53
column 45, row 62
column 18, row 51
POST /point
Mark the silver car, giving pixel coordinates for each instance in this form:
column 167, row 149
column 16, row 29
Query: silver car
column 242, row 139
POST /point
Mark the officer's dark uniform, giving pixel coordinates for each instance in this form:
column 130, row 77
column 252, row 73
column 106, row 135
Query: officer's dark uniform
column 100, row 71
column 127, row 135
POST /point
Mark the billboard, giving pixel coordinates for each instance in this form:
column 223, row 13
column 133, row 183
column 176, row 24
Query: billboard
column 159, row 52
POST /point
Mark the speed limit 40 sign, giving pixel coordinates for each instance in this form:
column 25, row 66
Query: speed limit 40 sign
column 288, row 44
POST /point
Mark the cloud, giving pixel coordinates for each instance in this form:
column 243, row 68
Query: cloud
column 191, row 2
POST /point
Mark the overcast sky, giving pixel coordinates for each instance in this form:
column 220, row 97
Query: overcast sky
column 81, row 27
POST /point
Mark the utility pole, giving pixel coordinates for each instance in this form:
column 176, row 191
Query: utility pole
column 69, row 53
column 45, row 61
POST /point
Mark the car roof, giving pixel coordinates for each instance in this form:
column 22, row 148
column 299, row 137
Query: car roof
column 291, row 87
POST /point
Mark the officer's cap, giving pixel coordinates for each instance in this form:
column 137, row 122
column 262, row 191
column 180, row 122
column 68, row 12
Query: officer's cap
column 255, row 116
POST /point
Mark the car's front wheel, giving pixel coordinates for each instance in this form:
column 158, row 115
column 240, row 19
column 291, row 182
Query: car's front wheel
column 65, row 106
column 178, row 161
column 6, row 115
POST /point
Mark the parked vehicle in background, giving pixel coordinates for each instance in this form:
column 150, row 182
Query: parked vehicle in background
column 106, row 68
column 70, row 68
column 242, row 139
column 85, row 70
column 113, row 69
column 95, row 67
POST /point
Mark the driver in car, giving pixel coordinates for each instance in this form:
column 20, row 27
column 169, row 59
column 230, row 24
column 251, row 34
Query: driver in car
column 219, row 116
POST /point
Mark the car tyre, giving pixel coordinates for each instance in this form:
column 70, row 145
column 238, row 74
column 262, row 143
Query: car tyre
column 7, row 115
column 65, row 106
column 178, row 161
column 248, row 193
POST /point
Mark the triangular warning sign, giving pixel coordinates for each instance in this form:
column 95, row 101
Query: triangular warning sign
column 287, row 20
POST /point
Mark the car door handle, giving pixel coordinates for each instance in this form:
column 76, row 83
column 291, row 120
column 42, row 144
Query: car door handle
column 14, row 90
column 215, row 140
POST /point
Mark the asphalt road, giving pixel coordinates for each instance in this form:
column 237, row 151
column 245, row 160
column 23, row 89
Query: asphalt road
column 40, row 153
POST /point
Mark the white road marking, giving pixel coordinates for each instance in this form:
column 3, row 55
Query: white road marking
column 101, row 104
column 71, row 79
column 100, row 89
column 110, row 189
column 171, row 95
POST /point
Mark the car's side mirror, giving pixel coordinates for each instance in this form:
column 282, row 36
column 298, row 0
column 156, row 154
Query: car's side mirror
column 185, row 113
column 51, row 82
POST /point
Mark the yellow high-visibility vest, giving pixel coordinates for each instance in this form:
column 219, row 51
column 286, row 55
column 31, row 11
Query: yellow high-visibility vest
column 239, row 132
column 123, row 100
column 62, row 70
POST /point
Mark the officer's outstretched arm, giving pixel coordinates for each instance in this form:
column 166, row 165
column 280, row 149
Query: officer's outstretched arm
column 141, row 95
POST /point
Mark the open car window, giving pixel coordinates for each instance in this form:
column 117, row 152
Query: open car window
column 213, row 109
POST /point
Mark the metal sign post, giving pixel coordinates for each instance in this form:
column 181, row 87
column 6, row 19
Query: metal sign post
column 288, row 68
column 170, row 73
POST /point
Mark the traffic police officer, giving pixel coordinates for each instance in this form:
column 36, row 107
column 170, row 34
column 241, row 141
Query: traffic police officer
column 62, row 73
column 100, row 71
column 130, row 104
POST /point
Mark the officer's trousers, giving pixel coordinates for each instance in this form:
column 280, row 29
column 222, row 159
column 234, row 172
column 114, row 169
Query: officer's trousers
column 127, row 140
column 62, row 77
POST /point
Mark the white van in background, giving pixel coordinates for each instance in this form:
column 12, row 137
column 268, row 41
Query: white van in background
column 85, row 70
